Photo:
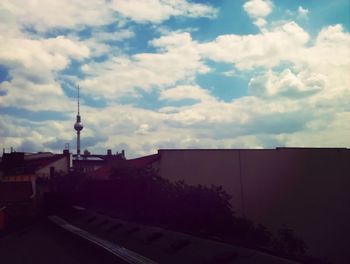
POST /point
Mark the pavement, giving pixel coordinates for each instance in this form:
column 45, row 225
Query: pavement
column 43, row 243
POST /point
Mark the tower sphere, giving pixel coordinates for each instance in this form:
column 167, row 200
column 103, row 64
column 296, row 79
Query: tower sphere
column 78, row 126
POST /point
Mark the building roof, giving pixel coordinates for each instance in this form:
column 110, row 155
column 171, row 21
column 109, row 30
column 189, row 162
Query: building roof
column 138, row 163
column 15, row 163
column 42, row 162
column 142, row 162
column 257, row 149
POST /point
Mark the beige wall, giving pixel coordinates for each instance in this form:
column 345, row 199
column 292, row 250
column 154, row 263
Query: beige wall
column 61, row 166
column 307, row 189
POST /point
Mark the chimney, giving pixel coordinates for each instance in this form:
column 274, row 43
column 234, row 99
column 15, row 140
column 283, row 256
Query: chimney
column 52, row 172
column 123, row 153
column 69, row 158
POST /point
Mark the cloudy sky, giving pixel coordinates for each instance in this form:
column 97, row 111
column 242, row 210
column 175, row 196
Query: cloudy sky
column 174, row 74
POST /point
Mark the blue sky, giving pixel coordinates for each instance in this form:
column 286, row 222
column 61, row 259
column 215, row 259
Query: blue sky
column 174, row 74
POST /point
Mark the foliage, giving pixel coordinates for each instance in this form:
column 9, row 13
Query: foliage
column 143, row 196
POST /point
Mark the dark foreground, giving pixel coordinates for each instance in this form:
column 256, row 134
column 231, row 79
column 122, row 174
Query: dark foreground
column 43, row 243
column 51, row 242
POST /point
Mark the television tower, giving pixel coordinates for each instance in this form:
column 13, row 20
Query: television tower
column 78, row 126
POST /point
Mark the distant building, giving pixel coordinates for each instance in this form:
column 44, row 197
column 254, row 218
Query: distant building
column 104, row 172
column 20, row 166
column 89, row 163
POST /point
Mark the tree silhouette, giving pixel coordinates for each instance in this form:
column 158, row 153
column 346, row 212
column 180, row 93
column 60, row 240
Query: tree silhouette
column 143, row 196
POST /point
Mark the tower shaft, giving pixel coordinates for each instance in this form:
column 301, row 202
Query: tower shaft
column 78, row 143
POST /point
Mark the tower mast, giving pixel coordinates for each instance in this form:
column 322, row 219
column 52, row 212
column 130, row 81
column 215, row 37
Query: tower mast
column 78, row 126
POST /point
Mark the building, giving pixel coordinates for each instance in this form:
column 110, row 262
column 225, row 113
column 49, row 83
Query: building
column 89, row 163
column 104, row 171
column 21, row 167
column 25, row 177
column 18, row 203
column 306, row 189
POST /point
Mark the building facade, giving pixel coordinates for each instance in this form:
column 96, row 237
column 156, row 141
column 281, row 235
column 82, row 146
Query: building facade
column 306, row 189
column 20, row 166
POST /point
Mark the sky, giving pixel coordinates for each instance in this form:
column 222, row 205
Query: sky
column 174, row 74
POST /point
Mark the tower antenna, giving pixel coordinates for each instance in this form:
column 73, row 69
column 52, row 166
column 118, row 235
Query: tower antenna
column 78, row 99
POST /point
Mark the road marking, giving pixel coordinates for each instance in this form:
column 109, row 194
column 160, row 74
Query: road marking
column 123, row 253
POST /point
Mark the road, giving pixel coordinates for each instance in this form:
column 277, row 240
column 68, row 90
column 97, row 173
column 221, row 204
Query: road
column 43, row 243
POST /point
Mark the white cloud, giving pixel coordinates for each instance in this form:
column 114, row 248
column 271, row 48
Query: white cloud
column 185, row 92
column 33, row 62
column 27, row 135
column 8, row 24
column 120, row 35
column 329, row 57
column 48, row 54
column 105, row 43
column 229, row 73
column 157, row 11
column 267, row 49
column 245, row 122
column 258, row 8
column 46, row 14
column 310, row 89
column 121, row 75
column 260, row 23
column 287, row 84
column 302, row 11
column 32, row 66
column 34, row 96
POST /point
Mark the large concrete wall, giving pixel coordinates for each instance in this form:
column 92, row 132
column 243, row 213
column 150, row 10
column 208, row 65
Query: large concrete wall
column 307, row 189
